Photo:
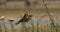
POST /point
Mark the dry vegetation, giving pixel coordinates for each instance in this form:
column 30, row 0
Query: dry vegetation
column 31, row 27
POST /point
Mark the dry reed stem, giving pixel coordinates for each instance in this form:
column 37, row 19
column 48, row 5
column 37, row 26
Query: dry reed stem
column 3, row 24
column 12, row 26
column 0, row 27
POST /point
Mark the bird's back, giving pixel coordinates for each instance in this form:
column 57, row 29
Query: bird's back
column 23, row 19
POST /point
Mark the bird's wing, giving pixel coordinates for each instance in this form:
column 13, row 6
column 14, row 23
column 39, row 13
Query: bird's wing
column 21, row 20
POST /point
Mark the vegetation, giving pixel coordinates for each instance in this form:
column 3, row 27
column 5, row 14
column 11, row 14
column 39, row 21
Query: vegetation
column 33, row 27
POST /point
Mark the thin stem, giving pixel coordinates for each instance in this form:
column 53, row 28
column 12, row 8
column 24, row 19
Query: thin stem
column 12, row 26
column 0, row 27
column 52, row 22
column 4, row 26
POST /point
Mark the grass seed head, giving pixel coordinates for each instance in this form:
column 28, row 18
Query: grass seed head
column 11, row 19
column 2, row 18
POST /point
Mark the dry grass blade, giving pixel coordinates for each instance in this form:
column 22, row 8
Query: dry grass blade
column 12, row 26
column 24, row 28
column 5, row 28
column 0, row 27
column 52, row 22
column 37, row 25
column 32, row 26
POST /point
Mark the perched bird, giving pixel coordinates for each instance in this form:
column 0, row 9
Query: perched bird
column 23, row 18
column 26, row 18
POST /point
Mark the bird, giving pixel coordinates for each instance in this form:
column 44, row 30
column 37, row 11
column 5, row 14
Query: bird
column 29, row 18
column 24, row 19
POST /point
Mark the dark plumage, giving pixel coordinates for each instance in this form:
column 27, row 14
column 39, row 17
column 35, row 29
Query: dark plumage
column 29, row 18
column 25, row 18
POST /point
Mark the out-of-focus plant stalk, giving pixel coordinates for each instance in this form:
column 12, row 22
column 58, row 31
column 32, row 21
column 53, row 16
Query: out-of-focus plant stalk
column 24, row 28
column 5, row 28
column 0, row 27
column 32, row 26
column 11, row 23
column 37, row 25
column 3, row 23
column 52, row 22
